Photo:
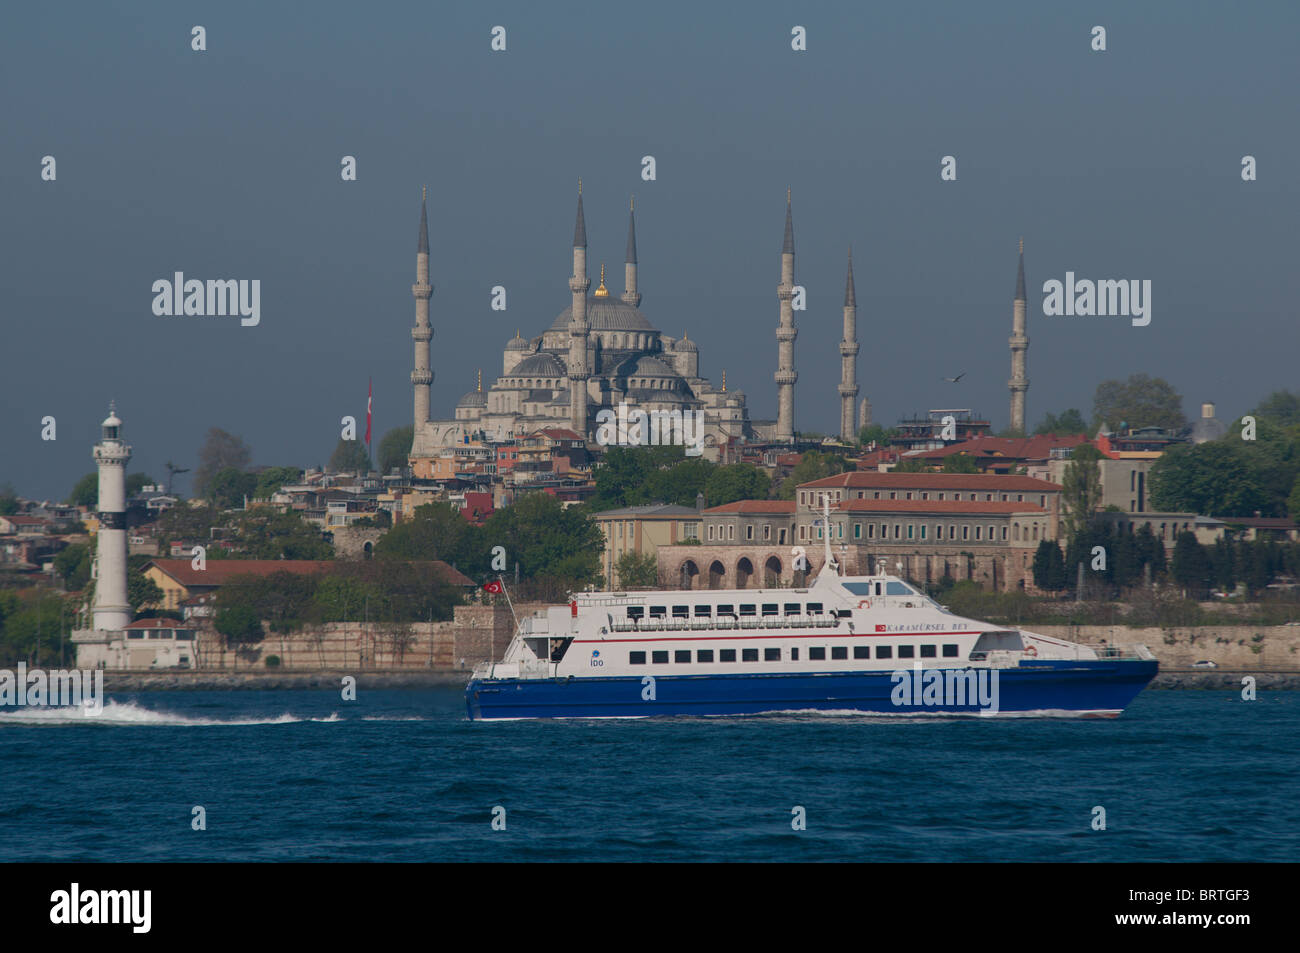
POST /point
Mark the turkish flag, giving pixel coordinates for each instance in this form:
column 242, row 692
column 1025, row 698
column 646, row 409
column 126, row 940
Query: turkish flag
column 494, row 587
column 370, row 396
column 880, row 628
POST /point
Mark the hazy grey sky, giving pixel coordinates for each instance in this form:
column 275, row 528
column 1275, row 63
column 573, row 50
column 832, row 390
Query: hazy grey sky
column 225, row 164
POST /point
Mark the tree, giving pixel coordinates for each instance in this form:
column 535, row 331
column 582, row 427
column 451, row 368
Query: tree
column 229, row 486
column 141, row 591
column 549, row 540
column 350, row 456
column 86, row 490
column 1191, row 567
column 73, row 565
column 271, row 479
column 1141, row 401
column 814, row 465
column 623, row 475
column 136, row 482
column 636, row 571
column 960, row 463
column 679, row 484
column 911, row 465
column 1049, row 567
column 1281, row 406
column 876, row 434
column 219, row 451
column 1069, row 422
column 437, row 531
column 187, row 522
column 239, row 624
column 395, row 448
column 1293, row 501
column 736, row 481
column 266, row 533
column 1214, row 479
column 1081, row 487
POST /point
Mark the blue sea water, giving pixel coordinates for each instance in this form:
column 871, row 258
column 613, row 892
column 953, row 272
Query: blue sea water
column 401, row 775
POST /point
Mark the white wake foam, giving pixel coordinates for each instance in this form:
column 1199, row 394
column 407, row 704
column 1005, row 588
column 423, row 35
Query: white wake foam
column 131, row 713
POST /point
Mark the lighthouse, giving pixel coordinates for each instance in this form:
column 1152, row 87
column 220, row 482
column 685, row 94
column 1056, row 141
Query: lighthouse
column 112, row 611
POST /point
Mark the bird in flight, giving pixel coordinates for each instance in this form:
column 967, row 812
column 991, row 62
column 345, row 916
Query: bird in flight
column 953, row 380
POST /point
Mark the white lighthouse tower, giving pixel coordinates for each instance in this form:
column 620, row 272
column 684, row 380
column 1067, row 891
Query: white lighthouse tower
column 112, row 611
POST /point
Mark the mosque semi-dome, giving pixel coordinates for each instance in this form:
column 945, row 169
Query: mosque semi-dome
column 475, row 398
column 539, row 365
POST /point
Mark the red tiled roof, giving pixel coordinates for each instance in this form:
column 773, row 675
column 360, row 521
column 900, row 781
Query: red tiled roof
column 26, row 520
column 159, row 624
column 975, row 482
column 560, row 433
column 221, row 571
column 754, row 506
column 1038, row 447
column 938, row 506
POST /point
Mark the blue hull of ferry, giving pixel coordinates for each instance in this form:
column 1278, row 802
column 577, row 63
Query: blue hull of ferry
column 1102, row 687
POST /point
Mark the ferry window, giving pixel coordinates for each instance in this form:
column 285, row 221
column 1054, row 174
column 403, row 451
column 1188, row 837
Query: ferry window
column 658, row 612
column 749, row 655
column 877, row 588
column 635, row 613
column 927, row 651
column 771, row 608
column 950, row 651
column 703, row 611
column 896, row 589
column 906, row 651
column 726, row 609
column 659, row 658
column 839, row 651
column 726, row 655
column 704, row 655
column 771, row 655
column 682, row 655
column 792, row 608
column 636, row 658
column 681, row 612
column 862, row 651
column 794, row 654
column 817, row 654
column 858, row 588
column 748, row 608
column 814, row 608
column 842, row 613
column 884, row 651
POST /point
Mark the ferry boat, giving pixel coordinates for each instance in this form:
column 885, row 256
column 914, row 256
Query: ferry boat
column 872, row 644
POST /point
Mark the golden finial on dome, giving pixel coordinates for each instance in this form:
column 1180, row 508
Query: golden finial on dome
column 724, row 382
column 602, row 291
column 787, row 196
column 579, row 185
column 480, row 381
column 631, row 203
column 424, row 194
column 1022, row 246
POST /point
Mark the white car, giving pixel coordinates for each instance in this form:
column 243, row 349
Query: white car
column 1205, row 663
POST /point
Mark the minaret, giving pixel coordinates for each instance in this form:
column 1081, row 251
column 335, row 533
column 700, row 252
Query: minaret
column 849, row 359
column 422, row 333
column 785, row 335
column 578, row 284
column 1019, row 383
column 630, row 294
column 112, row 610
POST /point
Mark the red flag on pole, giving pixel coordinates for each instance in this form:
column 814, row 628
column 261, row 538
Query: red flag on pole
column 370, row 392
column 494, row 587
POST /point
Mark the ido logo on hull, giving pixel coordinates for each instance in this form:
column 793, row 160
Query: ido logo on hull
column 596, row 660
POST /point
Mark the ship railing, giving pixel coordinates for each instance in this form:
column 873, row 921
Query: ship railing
column 725, row 622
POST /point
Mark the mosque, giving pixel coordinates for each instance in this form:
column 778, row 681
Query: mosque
column 602, row 351
column 598, row 353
